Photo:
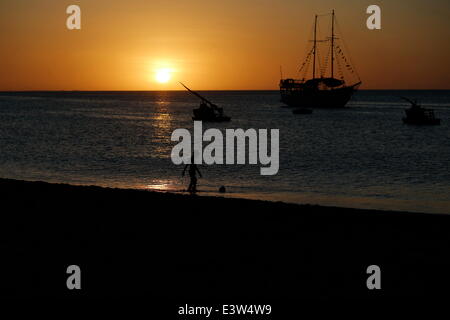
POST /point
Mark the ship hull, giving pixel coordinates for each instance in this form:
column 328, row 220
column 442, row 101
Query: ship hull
column 335, row 98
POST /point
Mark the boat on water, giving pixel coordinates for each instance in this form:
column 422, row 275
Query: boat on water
column 329, row 85
column 207, row 111
column 302, row 111
column 418, row 115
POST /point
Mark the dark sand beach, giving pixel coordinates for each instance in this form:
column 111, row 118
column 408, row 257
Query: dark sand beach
column 183, row 248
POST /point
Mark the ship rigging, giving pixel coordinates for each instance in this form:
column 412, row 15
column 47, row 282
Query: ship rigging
column 328, row 87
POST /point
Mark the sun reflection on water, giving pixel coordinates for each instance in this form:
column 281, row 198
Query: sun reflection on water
column 162, row 128
column 161, row 185
column 157, row 187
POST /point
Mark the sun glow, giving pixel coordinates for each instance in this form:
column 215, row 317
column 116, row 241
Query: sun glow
column 163, row 75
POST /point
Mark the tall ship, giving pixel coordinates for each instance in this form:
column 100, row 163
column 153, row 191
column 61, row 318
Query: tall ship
column 332, row 80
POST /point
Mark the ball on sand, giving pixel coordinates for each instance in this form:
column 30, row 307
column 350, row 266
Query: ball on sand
column 222, row 189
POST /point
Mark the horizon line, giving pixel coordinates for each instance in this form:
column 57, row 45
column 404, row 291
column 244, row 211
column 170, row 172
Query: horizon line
column 180, row 90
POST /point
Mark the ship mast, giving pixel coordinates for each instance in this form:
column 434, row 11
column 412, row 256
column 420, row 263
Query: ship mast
column 315, row 45
column 332, row 45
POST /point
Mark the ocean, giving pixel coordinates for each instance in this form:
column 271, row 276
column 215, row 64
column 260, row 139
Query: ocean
column 362, row 156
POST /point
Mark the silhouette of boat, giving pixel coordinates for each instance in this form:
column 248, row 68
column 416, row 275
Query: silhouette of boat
column 302, row 111
column 321, row 91
column 418, row 115
column 207, row 111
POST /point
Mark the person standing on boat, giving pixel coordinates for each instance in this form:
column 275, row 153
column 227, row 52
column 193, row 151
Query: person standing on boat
column 192, row 169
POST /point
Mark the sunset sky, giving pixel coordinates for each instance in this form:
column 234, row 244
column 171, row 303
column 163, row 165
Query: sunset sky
column 213, row 45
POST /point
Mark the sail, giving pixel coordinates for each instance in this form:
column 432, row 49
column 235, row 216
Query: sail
column 328, row 58
column 333, row 79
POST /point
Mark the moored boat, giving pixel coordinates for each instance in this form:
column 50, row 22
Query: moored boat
column 302, row 111
column 209, row 114
column 207, row 111
column 322, row 91
column 418, row 115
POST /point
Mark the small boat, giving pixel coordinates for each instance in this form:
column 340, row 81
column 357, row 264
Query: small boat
column 302, row 111
column 210, row 113
column 418, row 115
column 207, row 111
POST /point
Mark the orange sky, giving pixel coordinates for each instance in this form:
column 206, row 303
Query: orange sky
column 214, row 45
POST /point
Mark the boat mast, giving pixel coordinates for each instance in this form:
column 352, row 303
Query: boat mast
column 332, row 44
column 315, row 45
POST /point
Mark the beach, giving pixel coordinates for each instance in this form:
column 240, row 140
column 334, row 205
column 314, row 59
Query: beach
column 179, row 247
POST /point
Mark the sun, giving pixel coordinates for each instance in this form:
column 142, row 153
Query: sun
column 163, row 75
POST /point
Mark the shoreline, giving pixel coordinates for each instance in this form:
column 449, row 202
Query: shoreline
column 180, row 247
column 237, row 196
column 209, row 196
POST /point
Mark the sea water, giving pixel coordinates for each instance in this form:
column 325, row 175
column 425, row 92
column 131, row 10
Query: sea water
column 362, row 156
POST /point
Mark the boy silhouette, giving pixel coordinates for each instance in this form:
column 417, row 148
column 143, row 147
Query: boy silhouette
column 193, row 169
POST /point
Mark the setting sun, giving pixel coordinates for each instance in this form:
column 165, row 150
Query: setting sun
column 163, row 75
